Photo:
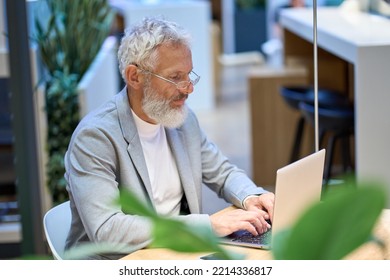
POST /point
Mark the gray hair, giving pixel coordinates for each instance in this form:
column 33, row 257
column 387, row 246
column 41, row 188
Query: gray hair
column 139, row 43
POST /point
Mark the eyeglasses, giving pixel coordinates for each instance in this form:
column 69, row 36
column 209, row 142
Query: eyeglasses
column 182, row 85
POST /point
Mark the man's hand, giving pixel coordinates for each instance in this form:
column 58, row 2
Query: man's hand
column 227, row 222
column 263, row 202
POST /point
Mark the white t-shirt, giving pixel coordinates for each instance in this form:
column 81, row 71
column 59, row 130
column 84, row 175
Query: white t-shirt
column 162, row 169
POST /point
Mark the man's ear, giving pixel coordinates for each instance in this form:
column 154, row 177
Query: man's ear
column 132, row 76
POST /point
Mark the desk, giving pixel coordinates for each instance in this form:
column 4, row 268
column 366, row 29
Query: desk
column 367, row 251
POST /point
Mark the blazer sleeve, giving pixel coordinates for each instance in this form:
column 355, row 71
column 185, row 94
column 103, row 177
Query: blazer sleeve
column 223, row 177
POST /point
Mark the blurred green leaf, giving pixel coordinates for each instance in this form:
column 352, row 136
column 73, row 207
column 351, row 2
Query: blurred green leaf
column 333, row 228
column 174, row 234
column 34, row 257
column 182, row 237
column 132, row 205
column 280, row 244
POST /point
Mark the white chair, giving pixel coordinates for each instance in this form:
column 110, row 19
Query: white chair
column 56, row 223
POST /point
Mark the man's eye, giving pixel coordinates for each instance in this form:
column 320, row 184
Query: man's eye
column 176, row 78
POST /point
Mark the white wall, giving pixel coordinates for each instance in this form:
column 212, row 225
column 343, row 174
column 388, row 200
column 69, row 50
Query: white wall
column 101, row 81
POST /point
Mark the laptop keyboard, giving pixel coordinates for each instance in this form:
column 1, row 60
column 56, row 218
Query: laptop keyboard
column 247, row 237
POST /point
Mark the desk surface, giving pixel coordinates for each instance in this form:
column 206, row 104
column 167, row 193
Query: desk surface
column 367, row 251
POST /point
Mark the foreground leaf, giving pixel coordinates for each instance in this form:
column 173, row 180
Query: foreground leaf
column 333, row 228
column 182, row 237
column 130, row 204
column 174, row 234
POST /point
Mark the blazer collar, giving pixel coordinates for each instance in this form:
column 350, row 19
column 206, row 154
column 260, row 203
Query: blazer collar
column 130, row 134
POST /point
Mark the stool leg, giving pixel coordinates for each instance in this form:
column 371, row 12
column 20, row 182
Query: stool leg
column 321, row 136
column 346, row 153
column 329, row 158
column 298, row 139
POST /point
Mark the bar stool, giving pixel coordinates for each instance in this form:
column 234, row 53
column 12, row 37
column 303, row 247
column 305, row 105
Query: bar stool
column 338, row 122
column 293, row 95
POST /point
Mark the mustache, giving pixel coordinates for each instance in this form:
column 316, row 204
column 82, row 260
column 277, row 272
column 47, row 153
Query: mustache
column 179, row 97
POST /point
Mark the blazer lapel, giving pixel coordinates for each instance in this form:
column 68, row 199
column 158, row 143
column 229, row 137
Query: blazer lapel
column 176, row 143
column 130, row 134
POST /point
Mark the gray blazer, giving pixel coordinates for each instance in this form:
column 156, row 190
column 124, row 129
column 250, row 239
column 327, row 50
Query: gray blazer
column 105, row 153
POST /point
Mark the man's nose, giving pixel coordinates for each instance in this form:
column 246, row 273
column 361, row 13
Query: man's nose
column 188, row 90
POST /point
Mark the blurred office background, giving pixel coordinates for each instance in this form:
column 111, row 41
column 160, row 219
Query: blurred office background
column 231, row 38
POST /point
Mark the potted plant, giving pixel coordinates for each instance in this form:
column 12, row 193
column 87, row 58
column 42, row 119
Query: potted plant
column 68, row 42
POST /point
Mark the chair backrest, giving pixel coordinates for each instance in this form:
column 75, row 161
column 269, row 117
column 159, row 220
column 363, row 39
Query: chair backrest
column 56, row 223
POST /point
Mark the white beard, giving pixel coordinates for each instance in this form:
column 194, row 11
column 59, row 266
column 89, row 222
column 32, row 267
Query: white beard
column 159, row 109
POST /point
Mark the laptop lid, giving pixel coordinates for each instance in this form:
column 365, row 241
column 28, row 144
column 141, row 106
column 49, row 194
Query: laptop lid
column 298, row 185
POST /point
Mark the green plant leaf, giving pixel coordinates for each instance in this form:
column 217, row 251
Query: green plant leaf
column 181, row 237
column 130, row 204
column 279, row 243
column 172, row 233
column 333, row 228
column 69, row 39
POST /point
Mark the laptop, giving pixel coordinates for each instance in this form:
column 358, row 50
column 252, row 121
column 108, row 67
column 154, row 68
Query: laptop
column 298, row 185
